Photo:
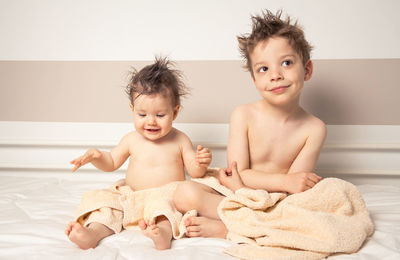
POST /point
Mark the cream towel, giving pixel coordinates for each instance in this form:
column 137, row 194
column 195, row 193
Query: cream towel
column 329, row 218
column 120, row 207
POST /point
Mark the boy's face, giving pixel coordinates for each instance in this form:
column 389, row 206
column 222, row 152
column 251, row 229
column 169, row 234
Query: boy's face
column 153, row 115
column 278, row 71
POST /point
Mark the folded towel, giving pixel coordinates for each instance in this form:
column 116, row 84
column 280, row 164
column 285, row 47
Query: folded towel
column 120, row 207
column 329, row 218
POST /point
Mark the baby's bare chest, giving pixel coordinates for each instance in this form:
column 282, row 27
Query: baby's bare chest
column 151, row 155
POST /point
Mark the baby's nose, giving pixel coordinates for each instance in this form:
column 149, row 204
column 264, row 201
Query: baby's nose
column 152, row 120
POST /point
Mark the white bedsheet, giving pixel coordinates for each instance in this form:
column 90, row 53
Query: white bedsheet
column 35, row 208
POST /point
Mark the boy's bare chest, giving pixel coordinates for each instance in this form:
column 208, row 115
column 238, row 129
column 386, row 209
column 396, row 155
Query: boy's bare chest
column 276, row 145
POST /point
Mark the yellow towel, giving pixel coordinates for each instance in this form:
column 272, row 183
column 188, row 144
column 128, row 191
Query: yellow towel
column 120, row 207
column 329, row 218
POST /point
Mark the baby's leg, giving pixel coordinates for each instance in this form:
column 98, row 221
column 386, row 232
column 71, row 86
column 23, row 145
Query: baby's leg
column 160, row 232
column 192, row 195
column 87, row 237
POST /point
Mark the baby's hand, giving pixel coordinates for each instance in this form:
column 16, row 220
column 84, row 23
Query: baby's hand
column 301, row 181
column 89, row 156
column 203, row 156
column 230, row 178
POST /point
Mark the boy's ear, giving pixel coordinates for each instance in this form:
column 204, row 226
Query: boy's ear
column 308, row 70
column 131, row 106
column 176, row 110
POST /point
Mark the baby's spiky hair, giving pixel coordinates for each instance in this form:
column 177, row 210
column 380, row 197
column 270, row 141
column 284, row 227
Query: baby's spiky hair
column 157, row 78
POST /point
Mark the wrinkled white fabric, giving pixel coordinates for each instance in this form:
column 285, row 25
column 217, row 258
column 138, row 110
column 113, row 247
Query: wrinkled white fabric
column 35, row 209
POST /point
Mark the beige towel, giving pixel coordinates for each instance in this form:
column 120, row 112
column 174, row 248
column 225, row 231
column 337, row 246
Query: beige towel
column 120, row 207
column 329, row 218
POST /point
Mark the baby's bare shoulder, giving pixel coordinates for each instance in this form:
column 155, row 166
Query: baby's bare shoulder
column 131, row 137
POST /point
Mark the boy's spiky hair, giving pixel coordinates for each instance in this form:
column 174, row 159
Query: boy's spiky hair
column 268, row 25
column 157, row 78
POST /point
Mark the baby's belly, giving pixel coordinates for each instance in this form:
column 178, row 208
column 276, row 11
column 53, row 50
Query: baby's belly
column 152, row 179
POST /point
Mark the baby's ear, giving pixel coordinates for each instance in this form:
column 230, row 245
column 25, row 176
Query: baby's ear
column 176, row 111
column 308, row 70
column 131, row 106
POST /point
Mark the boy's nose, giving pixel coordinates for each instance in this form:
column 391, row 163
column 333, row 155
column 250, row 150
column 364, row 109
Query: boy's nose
column 275, row 75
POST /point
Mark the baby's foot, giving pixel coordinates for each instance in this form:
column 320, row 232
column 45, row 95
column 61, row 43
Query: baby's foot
column 205, row 227
column 161, row 234
column 82, row 236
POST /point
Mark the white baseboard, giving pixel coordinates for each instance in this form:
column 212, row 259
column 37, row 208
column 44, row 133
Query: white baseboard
column 350, row 150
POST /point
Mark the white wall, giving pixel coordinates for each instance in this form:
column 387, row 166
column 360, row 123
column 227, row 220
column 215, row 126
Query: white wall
column 187, row 30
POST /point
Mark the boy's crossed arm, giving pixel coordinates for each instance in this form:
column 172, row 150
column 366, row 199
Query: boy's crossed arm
column 300, row 175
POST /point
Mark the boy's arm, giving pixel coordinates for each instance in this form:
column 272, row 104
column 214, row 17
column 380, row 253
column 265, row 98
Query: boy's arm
column 238, row 151
column 104, row 160
column 301, row 169
column 300, row 176
column 196, row 162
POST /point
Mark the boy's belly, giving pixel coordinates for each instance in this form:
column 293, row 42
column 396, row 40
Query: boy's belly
column 270, row 167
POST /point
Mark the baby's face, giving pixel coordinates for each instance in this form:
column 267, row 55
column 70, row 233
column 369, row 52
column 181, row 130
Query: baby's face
column 153, row 116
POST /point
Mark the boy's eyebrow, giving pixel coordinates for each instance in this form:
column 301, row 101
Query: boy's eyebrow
column 288, row 55
column 281, row 57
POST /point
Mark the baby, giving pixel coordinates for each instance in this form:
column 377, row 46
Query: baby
column 158, row 155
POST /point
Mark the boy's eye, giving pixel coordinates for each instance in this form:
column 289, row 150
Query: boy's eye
column 286, row 63
column 160, row 115
column 142, row 115
column 262, row 69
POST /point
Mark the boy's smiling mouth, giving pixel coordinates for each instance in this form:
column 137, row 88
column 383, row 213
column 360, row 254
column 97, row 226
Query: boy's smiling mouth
column 278, row 89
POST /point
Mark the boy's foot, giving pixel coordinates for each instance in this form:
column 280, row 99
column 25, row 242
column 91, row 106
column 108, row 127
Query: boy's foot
column 87, row 237
column 205, row 227
column 161, row 234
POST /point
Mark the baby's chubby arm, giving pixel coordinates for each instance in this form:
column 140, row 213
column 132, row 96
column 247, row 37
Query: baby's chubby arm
column 196, row 162
column 104, row 160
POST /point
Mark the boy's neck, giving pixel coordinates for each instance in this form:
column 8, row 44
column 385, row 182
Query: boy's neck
column 282, row 113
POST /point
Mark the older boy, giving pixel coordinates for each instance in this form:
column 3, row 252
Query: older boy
column 158, row 154
column 273, row 143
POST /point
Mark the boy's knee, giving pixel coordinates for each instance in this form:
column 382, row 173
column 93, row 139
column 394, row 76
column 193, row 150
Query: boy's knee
column 186, row 196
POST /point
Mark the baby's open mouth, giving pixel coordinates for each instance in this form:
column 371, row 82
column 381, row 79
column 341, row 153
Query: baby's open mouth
column 152, row 130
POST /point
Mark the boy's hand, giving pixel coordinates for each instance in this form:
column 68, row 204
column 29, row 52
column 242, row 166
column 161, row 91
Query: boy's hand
column 301, row 181
column 203, row 156
column 230, row 178
column 89, row 156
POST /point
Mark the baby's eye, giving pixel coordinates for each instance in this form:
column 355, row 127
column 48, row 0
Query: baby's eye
column 262, row 69
column 141, row 114
column 160, row 115
column 286, row 63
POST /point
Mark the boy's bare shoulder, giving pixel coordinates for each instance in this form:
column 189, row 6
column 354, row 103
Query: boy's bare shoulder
column 316, row 125
column 244, row 111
